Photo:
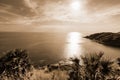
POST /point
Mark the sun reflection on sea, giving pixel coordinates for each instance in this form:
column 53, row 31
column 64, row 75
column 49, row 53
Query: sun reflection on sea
column 73, row 46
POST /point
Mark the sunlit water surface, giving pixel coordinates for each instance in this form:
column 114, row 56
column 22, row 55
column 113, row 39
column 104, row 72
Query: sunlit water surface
column 73, row 46
column 46, row 48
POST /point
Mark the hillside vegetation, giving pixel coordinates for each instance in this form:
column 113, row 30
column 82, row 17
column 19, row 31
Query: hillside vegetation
column 16, row 65
column 107, row 38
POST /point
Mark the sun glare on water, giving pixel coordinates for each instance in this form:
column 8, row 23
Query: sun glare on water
column 73, row 47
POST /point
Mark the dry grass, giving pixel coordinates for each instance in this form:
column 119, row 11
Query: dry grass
column 94, row 67
column 41, row 75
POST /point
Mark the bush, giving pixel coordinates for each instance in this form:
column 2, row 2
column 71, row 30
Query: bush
column 15, row 64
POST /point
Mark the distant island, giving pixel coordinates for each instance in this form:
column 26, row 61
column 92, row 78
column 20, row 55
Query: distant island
column 107, row 38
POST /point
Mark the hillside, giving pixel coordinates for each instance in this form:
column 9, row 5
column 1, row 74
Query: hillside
column 107, row 38
column 16, row 65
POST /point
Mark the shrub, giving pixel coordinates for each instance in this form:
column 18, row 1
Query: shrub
column 15, row 64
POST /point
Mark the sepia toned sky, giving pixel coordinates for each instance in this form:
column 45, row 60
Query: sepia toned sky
column 29, row 15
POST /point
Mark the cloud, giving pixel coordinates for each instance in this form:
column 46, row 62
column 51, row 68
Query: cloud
column 38, row 11
column 96, row 5
column 14, row 11
column 28, row 11
column 31, row 4
column 101, row 15
column 20, row 7
column 100, row 10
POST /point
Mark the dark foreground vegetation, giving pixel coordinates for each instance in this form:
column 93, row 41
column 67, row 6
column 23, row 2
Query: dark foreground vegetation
column 107, row 38
column 16, row 65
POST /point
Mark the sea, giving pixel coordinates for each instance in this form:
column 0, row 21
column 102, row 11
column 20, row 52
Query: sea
column 47, row 48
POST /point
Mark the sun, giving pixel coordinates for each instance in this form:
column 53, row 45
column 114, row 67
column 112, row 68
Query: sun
column 76, row 5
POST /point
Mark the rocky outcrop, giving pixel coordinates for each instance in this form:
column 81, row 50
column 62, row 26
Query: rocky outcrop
column 107, row 38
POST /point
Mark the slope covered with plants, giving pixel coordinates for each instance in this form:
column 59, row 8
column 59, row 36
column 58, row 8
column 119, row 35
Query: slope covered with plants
column 107, row 38
column 16, row 65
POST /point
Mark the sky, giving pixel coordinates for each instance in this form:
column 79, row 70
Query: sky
column 59, row 15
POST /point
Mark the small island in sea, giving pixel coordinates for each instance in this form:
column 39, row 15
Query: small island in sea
column 107, row 38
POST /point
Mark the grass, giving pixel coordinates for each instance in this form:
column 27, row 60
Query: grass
column 16, row 65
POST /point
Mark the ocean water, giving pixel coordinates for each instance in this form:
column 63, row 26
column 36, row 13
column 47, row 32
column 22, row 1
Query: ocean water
column 46, row 48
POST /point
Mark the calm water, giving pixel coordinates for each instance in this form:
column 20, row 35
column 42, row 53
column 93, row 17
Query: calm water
column 52, row 47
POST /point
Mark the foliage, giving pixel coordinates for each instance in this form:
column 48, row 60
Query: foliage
column 15, row 65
